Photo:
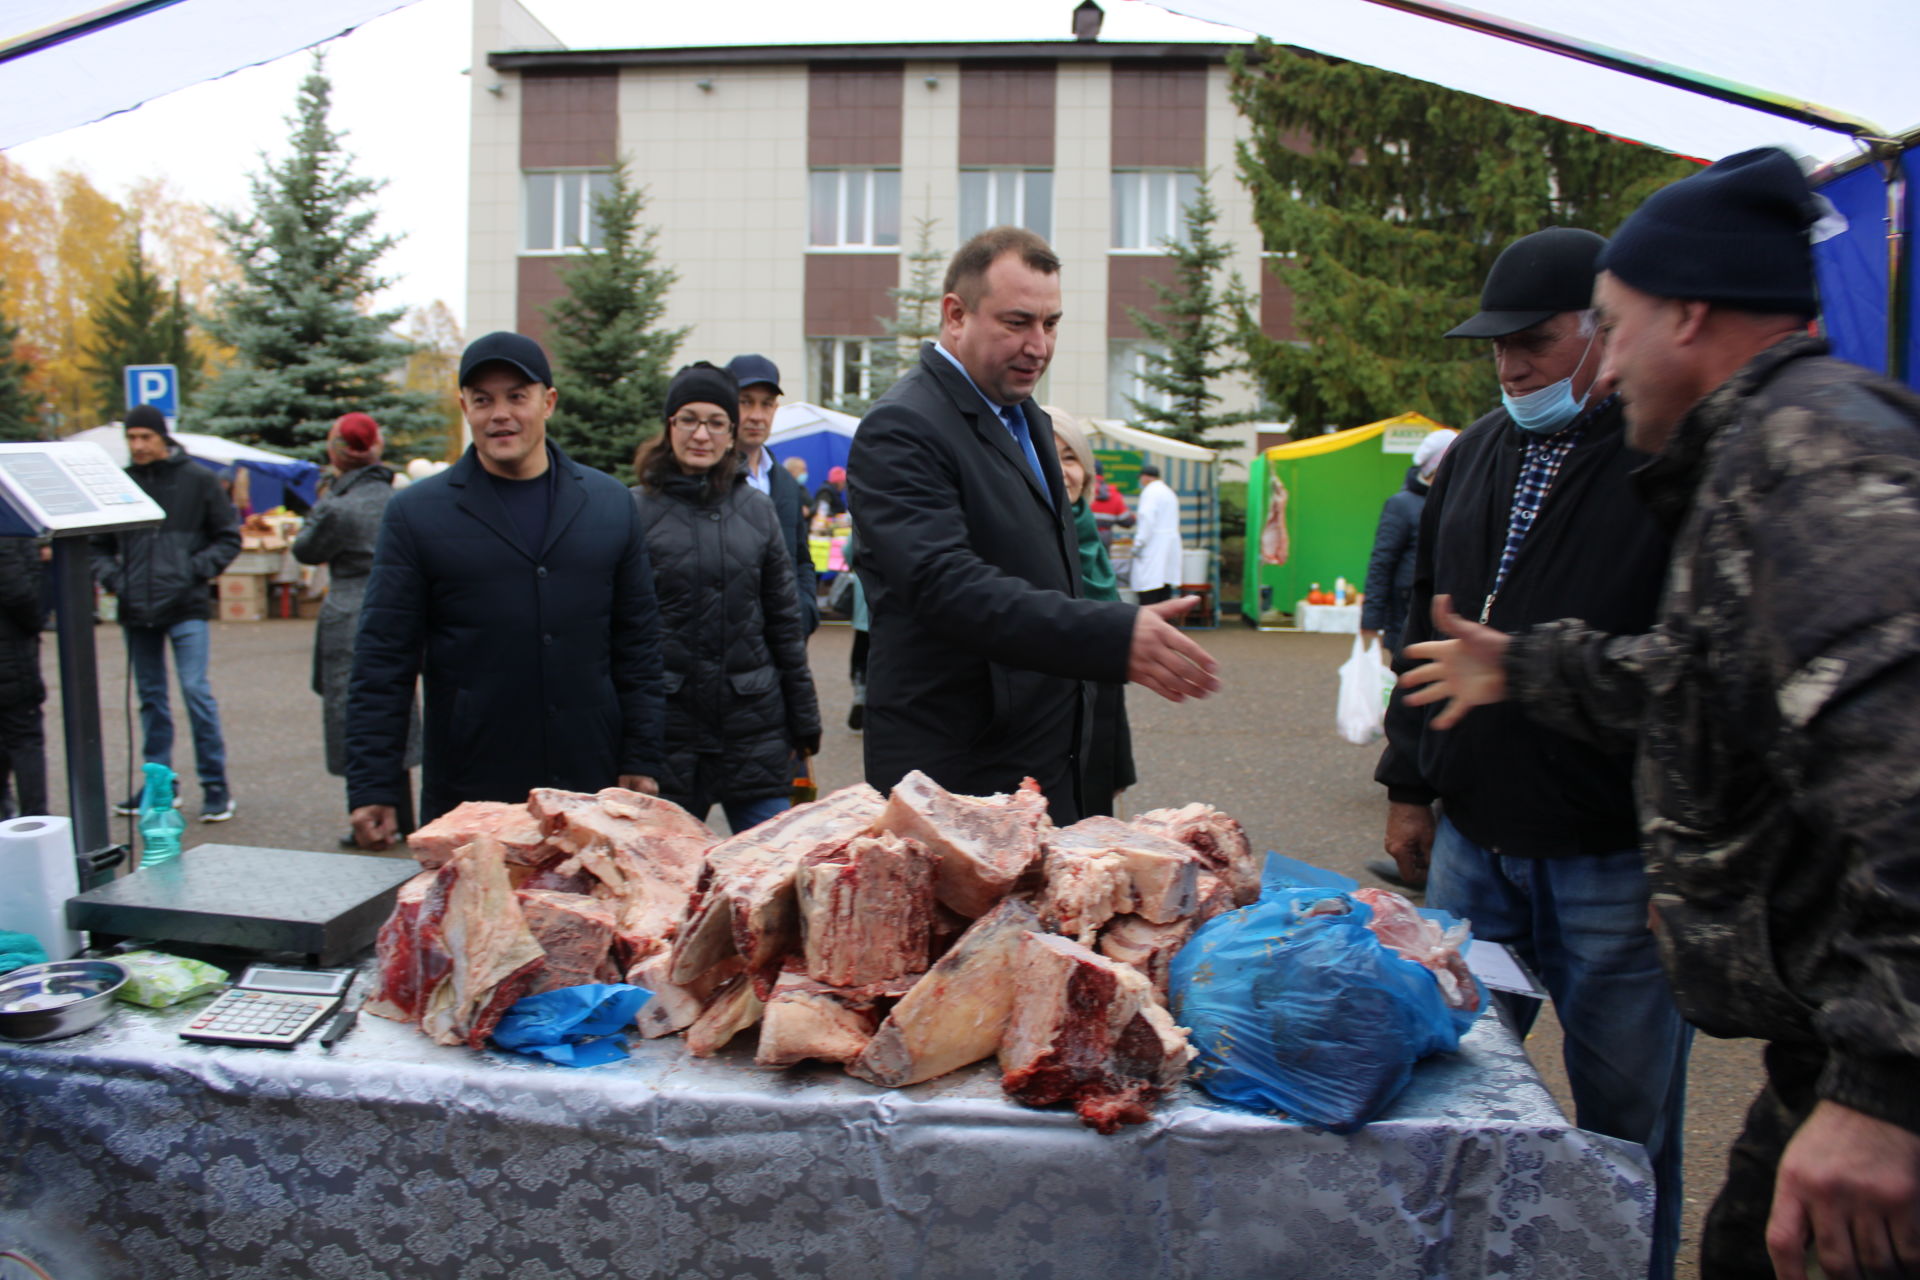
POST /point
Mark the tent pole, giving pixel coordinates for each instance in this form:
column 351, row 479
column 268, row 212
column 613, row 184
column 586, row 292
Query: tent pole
column 1899, row 268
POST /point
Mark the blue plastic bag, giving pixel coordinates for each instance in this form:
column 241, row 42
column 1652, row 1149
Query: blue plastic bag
column 572, row 1026
column 1295, row 1006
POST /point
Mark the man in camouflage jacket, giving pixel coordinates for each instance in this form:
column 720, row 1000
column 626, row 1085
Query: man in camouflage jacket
column 1775, row 708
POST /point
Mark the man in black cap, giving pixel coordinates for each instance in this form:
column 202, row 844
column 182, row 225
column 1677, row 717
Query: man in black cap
column 1775, row 705
column 759, row 380
column 1531, row 517
column 515, row 585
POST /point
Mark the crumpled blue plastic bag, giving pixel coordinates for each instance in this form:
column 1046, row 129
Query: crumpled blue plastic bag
column 1295, row 1006
column 572, row 1026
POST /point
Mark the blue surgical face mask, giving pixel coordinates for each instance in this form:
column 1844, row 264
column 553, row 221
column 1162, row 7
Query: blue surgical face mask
column 1552, row 408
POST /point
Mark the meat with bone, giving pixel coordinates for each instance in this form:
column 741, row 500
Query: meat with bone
column 1163, row 873
column 984, row 843
column 674, row 1007
column 491, row 958
column 865, row 909
column 1220, row 841
column 957, row 1012
column 643, row 853
column 807, row 1019
column 1086, row 1030
column 735, row 1006
column 517, row 830
column 403, row 981
column 1085, row 888
column 1147, row 947
column 744, row 900
column 1403, row 930
column 576, row 932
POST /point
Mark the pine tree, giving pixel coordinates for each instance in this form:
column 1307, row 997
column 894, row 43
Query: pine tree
column 1195, row 329
column 309, row 347
column 141, row 321
column 19, row 408
column 612, row 361
column 1390, row 198
column 915, row 320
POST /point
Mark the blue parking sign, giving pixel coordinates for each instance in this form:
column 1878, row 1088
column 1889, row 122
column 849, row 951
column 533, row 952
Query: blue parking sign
column 154, row 384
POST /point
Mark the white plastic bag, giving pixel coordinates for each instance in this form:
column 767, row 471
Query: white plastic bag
column 1365, row 681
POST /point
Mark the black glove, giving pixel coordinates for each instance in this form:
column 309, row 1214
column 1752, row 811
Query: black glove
column 809, row 745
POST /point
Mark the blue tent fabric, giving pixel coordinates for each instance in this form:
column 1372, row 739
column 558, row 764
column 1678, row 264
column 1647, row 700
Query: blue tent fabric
column 1910, row 165
column 1852, row 269
column 821, row 450
column 269, row 483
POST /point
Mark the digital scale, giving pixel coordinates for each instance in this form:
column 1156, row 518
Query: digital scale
column 270, row 1007
column 68, row 488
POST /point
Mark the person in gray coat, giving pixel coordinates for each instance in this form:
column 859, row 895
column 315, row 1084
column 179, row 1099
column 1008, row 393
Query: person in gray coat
column 340, row 533
column 739, row 697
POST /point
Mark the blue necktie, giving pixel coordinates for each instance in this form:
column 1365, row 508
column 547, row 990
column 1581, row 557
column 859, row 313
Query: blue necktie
column 1017, row 423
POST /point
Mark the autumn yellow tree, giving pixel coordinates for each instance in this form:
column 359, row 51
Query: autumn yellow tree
column 432, row 370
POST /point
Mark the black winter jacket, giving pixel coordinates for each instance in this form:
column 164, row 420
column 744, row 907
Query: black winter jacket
column 796, row 525
column 1390, row 568
column 541, row 669
column 1510, row 784
column 733, row 645
column 161, row 575
column 20, row 623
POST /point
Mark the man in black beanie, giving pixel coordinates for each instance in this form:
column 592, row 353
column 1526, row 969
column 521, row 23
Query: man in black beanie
column 1775, row 706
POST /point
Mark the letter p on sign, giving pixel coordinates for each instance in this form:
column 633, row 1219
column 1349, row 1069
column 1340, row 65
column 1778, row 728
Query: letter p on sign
column 154, row 384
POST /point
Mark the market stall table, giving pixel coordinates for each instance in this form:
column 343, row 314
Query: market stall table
column 129, row 1153
column 1343, row 619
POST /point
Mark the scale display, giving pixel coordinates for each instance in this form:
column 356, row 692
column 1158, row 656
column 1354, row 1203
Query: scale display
column 68, row 487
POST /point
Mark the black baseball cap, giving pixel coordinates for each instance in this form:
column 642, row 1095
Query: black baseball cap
column 522, row 352
column 754, row 371
column 1536, row 278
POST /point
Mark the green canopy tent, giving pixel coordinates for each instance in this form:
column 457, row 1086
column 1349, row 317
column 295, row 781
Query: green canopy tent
column 1313, row 506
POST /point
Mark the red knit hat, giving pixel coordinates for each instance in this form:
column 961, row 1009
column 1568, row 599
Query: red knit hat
column 354, row 441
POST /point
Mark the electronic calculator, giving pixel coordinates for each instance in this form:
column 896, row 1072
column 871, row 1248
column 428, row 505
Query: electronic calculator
column 270, row 1007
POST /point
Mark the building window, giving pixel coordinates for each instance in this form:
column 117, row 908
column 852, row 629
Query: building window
column 854, row 208
column 1006, row 198
column 558, row 210
column 1128, row 362
column 1150, row 206
column 840, row 369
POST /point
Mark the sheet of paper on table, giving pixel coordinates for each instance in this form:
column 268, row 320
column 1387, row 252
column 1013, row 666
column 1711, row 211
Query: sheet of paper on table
column 1500, row 969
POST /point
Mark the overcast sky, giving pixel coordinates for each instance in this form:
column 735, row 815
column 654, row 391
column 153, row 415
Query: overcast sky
column 400, row 94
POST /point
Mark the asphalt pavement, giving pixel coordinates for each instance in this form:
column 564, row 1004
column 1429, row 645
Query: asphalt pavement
column 1263, row 749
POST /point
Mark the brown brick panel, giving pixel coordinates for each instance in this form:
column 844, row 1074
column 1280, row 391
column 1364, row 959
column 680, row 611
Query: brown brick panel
column 1276, row 300
column 847, row 293
column 1159, row 115
column 1006, row 115
column 1129, row 284
column 569, row 121
column 853, row 115
column 538, row 286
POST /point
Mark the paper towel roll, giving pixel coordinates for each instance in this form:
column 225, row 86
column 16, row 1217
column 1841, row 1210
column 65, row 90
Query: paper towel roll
column 38, row 870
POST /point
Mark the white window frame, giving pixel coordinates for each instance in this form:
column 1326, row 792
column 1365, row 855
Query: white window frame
column 1135, row 352
column 1160, row 239
column 849, row 355
column 845, row 200
column 1018, row 177
column 588, row 234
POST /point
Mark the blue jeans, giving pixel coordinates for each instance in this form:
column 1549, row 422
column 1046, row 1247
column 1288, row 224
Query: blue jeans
column 1581, row 924
column 741, row 814
column 147, row 651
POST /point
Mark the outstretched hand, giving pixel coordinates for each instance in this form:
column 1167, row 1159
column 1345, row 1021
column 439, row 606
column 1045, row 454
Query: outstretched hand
column 1468, row 671
column 1163, row 659
column 1848, row 1190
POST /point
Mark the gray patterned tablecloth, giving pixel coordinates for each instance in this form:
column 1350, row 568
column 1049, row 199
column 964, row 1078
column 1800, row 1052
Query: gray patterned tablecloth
column 127, row 1153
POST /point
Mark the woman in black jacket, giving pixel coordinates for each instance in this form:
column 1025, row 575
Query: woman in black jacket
column 739, row 696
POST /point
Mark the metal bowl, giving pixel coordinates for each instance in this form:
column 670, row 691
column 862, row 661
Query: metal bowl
column 64, row 998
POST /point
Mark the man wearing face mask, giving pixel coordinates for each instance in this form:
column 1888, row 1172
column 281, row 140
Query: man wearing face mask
column 1529, row 833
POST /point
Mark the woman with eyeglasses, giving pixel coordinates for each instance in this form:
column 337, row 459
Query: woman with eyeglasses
column 739, row 696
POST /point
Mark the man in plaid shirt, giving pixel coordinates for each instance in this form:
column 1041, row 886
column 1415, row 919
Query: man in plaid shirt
column 1531, row 834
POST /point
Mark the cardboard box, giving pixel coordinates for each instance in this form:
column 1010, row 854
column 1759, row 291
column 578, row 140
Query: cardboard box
column 243, row 610
column 243, row 586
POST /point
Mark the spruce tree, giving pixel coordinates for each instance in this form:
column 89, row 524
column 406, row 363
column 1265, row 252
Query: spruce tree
column 141, row 321
column 915, row 320
column 1387, row 200
column 1195, row 327
column 19, row 407
column 612, row 360
column 309, row 347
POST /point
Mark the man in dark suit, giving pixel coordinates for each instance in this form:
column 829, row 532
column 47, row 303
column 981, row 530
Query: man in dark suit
column 515, row 585
column 982, row 639
column 759, row 380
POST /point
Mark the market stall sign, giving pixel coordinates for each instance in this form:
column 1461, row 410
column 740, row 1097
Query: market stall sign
column 1121, row 468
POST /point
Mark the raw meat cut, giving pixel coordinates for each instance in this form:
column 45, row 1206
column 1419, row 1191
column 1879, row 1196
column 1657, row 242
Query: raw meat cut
column 1220, row 841
column 518, row 832
column 865, row 908
column 403, row 988
column 576, row 932
column 807, row 1019
column 470, row 915
column 984, row 843
column 1086, row 1030
column 643, row 851
column 1164, row 873
column 1085, row 888
column 674, row 1007
column 744, row 902
column 1403, row 930
column 957, row 1012
column 1216, row 898
column 1148, row 947
column 735, row 1007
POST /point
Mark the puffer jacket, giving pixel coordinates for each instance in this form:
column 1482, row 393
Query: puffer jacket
column 1774, row 710
column 20, row 622
column 732, row 640
column 1390, row 567
column 161, row 575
